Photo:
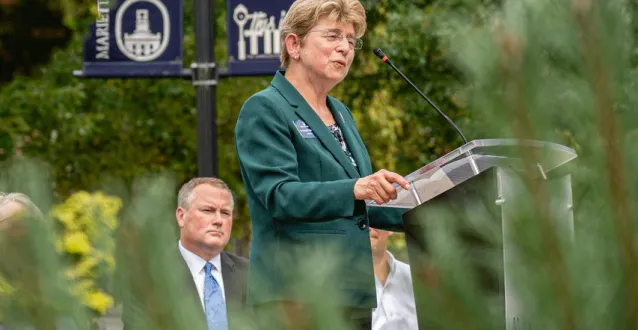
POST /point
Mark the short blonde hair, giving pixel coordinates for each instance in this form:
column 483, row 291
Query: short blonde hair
column 304, row 14
column 185, row 195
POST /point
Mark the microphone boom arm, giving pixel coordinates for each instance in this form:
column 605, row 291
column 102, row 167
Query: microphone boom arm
column 384, row 58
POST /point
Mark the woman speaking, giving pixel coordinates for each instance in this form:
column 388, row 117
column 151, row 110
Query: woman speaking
column 307, row 172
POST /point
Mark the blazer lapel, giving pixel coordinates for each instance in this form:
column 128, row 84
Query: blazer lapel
column 314, row 122
column 348, row 134
column 232, row 287
column 190, row 283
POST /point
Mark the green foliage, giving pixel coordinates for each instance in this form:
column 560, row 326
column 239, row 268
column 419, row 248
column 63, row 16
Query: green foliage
column 96, row 131
column 400, row 129
column 561, row 70
column 40, row 295
column 29, row 30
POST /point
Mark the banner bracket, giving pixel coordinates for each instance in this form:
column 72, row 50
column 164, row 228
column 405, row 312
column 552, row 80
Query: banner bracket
column 204, row 74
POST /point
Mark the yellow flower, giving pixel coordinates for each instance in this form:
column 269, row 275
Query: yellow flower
column 76, row 243
column 80, row 197
column 83, row 286
column 66, row 216
column 84, row 267
column 88, row 223
column 98, row 301
column 6, row 289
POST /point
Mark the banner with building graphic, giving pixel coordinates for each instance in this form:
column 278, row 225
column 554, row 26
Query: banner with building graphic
column 253, row 35
column 135, row 38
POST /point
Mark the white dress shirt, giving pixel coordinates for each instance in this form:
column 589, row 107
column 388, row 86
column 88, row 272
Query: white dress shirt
column 196, row 266
column 396, row 309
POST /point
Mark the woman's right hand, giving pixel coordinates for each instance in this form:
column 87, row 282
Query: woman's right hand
column 378, row 186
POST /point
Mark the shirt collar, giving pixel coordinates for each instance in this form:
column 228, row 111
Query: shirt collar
column 391, row 263
column 195, row 263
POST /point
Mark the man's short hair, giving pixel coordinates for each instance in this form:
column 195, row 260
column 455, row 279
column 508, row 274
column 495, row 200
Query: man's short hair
column 185, row 195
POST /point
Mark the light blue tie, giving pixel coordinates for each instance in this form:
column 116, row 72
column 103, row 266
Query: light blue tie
column 214, row 301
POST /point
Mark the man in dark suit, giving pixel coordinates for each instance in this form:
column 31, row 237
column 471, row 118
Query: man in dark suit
column 205, row 218
column 215, row 279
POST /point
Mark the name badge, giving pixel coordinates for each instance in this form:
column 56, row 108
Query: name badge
column 304, row 129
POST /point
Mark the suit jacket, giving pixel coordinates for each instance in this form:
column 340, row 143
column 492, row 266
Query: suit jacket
column 235, row 275
column 310, row 236
column 143, row 311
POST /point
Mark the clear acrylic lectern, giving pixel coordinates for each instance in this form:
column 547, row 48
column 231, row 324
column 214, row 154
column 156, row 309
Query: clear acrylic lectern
column 482, row 179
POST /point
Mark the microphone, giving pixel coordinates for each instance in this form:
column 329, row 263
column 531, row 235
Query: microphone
column 384, row 58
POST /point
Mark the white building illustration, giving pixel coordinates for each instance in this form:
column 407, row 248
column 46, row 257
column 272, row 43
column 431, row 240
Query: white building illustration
column 142, row 42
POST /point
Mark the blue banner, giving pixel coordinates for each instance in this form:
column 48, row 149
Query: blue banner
column 253, row 36
column 135, row 38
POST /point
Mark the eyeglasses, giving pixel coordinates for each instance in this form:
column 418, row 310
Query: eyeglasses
column 337, row 36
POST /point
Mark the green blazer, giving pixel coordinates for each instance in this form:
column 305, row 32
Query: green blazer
column 309, row 235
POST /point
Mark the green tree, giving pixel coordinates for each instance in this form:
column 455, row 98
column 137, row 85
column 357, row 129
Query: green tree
column 111, row 131
column 558, row 70
column 97, row 131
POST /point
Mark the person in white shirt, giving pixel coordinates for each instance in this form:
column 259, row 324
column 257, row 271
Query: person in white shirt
column 396, row 308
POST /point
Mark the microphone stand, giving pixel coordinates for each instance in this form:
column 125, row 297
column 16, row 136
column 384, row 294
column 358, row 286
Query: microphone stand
column 384, row 58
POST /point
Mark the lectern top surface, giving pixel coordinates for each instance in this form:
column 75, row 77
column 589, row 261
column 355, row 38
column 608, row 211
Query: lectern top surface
column 473, row 158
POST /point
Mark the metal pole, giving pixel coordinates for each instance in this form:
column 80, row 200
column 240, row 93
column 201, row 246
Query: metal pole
column 205, row 82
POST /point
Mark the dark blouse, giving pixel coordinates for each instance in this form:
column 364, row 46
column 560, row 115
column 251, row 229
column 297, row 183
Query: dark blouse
column 336, row 132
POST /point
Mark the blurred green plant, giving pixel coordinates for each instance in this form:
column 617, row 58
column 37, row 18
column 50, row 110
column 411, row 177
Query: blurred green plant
column 86, row 241
column 557, row 70
column 39, row 294
column 70, row 122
